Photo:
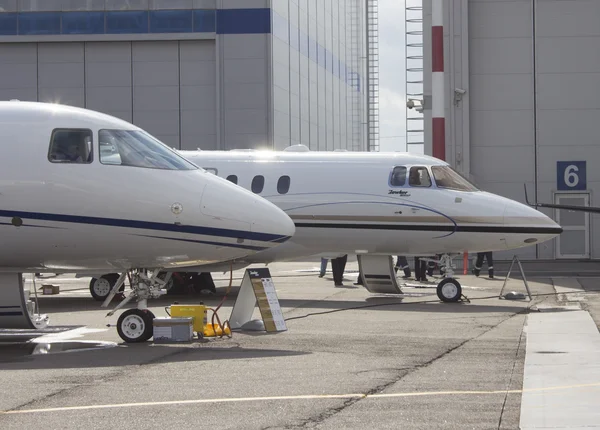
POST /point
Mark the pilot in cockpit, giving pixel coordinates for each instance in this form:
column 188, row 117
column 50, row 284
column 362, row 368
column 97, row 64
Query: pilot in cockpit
column 414, row 178
column 419, row 177
column 73, row 154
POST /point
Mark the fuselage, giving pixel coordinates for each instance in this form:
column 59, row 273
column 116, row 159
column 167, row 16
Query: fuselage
column 146, row 208
column 353, row 202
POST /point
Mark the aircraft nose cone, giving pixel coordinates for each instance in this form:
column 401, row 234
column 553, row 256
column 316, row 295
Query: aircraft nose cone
column 269, row 219
column 268, row 224
column 527, row 226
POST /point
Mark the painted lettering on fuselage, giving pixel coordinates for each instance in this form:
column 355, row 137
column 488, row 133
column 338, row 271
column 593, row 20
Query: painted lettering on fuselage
column 399, row 192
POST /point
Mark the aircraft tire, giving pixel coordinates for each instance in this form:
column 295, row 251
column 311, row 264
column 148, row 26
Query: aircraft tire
column 100, row 287
column 135, row 325
column 449, row 290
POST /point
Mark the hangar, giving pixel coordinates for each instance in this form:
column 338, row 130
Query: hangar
column 519, row 103
column 209, row 74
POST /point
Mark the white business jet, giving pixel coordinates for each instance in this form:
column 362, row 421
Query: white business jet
column 375, row 205
column 82, row 192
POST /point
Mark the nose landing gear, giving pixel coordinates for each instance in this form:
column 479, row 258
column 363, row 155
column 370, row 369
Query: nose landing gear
column 448, row 289
column 136, row 325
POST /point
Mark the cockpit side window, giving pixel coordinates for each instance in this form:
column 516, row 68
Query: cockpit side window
column 73, row 146
column 232, row 178
column 136, row 148
column 446, row 177
column 419, row 177
column 398, row 178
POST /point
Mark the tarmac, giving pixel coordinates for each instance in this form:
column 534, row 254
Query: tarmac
column 347, row 359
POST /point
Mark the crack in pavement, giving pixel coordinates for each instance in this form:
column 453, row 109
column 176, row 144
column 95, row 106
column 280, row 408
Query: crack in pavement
column 328, row 413
column 512, row 372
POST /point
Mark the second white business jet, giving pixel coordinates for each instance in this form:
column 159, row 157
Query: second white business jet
column 374, row 205
column 377, row 204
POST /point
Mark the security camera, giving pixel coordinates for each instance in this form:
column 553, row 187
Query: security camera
column 410, row 104
column 458, row 95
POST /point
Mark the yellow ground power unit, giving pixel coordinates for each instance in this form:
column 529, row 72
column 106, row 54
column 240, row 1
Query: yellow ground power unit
column 197, row 312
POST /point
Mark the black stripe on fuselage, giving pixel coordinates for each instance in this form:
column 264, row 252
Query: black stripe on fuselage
column 436, row 228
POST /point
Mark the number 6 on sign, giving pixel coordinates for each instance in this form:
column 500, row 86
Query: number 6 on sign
column 571, row 178
column 571, row 175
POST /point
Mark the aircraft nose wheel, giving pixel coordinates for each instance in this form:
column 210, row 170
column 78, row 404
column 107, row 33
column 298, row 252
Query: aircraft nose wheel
column 135, row 325
column 449, row 290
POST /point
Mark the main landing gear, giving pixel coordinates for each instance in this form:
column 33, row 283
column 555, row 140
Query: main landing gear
column 136, row 325
column 101, row 287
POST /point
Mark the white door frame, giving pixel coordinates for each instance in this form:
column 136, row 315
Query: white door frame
column 586, row 227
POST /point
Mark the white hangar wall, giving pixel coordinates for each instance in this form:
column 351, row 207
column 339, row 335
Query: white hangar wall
column 531, row 72
column 209, row 74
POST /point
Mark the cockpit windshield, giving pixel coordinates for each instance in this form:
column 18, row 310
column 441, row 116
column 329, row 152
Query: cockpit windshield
column 138, row 149
column 446, row 177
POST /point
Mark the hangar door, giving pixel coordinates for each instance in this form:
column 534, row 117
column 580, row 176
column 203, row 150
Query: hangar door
column 574, row 241
column 166, row 87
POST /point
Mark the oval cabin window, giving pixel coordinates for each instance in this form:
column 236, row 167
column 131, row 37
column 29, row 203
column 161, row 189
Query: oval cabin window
column 283, row 185
column 232, row 178
column 258, row 184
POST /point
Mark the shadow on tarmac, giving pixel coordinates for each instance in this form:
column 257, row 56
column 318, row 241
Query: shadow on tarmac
column 396, row 304
column 388, row 303
column 19, row 356
column 425, row 293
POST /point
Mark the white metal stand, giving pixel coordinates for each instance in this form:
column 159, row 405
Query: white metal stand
column 257, row 287
column 515, row 258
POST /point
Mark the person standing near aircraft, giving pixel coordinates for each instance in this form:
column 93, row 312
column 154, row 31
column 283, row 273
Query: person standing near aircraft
column 420, row 269
column 323, row 267
column 338, row 265
column 479, row 263
column 431, row 266
column 359, row 279
column 402, row 263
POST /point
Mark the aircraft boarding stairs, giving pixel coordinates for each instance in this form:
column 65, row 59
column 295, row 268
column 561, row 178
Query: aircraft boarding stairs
column 379, row 277
column 17, row 311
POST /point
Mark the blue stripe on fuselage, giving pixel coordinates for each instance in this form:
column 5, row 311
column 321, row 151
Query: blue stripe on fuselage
column 146, row 225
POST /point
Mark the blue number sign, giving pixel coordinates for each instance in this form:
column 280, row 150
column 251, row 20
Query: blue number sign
column 570, row 175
